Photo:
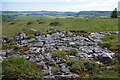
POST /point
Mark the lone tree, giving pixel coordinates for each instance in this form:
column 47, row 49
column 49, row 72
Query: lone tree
column 114, row 13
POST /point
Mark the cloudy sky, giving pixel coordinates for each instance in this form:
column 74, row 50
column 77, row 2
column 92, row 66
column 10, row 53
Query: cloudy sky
column 59, row 5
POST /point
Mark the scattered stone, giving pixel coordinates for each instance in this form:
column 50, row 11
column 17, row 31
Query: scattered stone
column 33, row 30
column 42, row 48
column 2, row 52
column 69, row 33
column 1, row 58
column 105, row 57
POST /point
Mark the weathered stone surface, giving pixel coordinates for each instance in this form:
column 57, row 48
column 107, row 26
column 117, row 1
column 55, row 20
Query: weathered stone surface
column 72, row 43
column 105, row 57
column 69, row 33
column 42, row 48
column 1, row 58
column 22, row 36
column 45, row 72
column 48, row 56
column 31, row 39
column 20, row 78
column 33, row 59
column 2, row 52
column 82, row 55
column 26, row 56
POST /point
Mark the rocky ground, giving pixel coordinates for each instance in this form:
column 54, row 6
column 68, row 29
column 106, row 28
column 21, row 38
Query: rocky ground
column 42, row 46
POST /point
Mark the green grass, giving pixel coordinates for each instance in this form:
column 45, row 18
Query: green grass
column 74, row 46
column 111, row 39
column 32, row 17
column 109, row 74
column 83, row 67
column 63, row 53
column 19, row 67
column 111, row 42
column 90, row 69
column 89, row 25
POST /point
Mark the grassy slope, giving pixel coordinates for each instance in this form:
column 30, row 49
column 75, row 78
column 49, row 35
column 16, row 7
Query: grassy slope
column 89, row 25
column 20, row 67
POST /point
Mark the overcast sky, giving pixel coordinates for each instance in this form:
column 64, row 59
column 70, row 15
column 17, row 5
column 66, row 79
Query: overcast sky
column 59, row 5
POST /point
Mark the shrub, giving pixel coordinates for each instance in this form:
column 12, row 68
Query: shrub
column 74, row 46
column 6, row 38
column 29, row 23
column 19, row 67
column 54, row 24
column 41, row 22
column 12, row 23
column 114, row 13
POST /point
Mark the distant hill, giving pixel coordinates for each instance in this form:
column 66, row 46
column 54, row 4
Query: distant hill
column 96, row 13
column 30, row 15
column 88, row 13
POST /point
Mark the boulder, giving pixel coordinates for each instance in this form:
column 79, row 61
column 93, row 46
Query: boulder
column 22, row 42
column 68, row 33
column 2, row 52
column 96, row 35
column 22, row 36
column 33, row 59
column 37, row 34
column 105, row 57
column 1, row 58
column 72, row 43
column 26, row 56
column 65, row 70
column 20, row 78
column 82, row 55
column 48, row 56
column 31, row 39
column 56, row 35
column 49, row 77
column 45, row 72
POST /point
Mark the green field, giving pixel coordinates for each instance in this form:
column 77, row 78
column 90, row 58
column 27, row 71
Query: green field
column 88, row 25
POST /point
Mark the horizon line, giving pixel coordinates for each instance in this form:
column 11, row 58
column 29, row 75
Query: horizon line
column 56, row 10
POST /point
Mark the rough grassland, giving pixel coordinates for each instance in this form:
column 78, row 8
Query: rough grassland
column 20, row 67
column 89, row 25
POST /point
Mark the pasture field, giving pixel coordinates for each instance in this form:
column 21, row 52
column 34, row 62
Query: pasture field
column 88, row 25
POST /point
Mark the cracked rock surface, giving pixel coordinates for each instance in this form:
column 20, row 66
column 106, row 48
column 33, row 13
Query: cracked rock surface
column 42, row 48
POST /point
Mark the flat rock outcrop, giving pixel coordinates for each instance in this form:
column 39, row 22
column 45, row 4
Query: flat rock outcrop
column 41, row 48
